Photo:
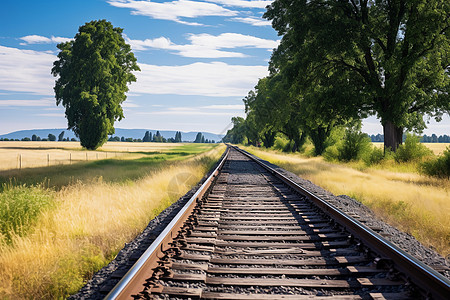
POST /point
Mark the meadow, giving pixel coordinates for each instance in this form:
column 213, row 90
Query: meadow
column 60, row 224
column 396, row 192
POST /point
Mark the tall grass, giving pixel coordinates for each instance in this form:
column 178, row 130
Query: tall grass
column 89, row 224
column 20, row 206
column 412, row 202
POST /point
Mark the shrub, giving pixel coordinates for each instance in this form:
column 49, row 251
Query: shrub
column 331, row 153
column 412, row 149
column 373, row 156
column 281, row 143
column 439, row 167
column 355, row 143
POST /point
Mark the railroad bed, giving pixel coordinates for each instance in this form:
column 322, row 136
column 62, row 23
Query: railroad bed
column 252, row 237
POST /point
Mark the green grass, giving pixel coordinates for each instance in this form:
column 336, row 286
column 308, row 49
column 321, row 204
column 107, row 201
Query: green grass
column 20, row 206
column 110, row 170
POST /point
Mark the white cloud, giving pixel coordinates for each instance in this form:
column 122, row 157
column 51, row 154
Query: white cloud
column 37, row 39
column 206, row 45
column 253, row 21
column 174, row 10
column 216, row 79
column 129, row 104
column 52, row 115
column 244, row 3
column 29, row 71
column 26, row 71
column 182, row 112
column 226, row 106
column 32, row 103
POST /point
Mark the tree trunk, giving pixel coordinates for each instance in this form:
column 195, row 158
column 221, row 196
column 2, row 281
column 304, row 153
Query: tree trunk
column 393, row 136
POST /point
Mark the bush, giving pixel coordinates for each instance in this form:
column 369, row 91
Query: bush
column 281, row 143
column 439, row 167
column 373, row 156
column 412, row 149
column 331, row 153
column 354, row 145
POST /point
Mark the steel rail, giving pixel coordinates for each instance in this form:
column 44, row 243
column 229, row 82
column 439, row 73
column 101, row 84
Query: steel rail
column 144, row 265
column 418, row 273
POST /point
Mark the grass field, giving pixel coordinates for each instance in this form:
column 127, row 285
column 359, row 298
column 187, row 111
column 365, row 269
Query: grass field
column 437, row 148
column 71, row 227
column 22, row 155
column 412, row 202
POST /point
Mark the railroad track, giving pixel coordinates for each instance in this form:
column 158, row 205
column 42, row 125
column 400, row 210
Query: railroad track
column 251, row 233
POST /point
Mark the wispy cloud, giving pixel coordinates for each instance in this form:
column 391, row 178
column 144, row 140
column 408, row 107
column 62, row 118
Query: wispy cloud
column 253, row 21
column 26, row 71
column 216, row 79
column 206, row 45
column 225, row 106
column 174, row 10
column 38, row 39
column 31, row 103
column 244, row 3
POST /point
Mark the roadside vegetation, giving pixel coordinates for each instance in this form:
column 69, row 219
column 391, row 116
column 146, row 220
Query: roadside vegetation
column 408, row 189
column 61, row 224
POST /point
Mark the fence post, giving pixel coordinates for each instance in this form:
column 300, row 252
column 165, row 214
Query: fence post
column 86, row 156
column 48, row 159
column 70, row 157
column 20, row 162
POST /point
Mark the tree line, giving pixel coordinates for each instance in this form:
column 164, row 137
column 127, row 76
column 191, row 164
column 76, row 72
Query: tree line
column 424, row 139
column 148, row 137
column 339, row 62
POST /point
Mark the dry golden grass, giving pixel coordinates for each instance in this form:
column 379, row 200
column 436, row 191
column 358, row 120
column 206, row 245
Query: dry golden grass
column 15, row 155
column 412, row 202
column 91, row 223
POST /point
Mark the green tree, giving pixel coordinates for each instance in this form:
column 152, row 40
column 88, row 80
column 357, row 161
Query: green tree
column 61, row 136
column 34, row 137
column 51, row 137
column 177, row 138
column 147, row 136
column 236, row 135
column 198, row 138
column 390, row 57
column 157, row 137
column 94, row 70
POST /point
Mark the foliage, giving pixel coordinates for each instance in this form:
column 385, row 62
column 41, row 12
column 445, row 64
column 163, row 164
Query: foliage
column 199, row 138
column 20, row 206
column 373, row 156
column 412, row 149
column 236, row 135
column 354, row 145
column 94, row 70
column 355, row 58
column 147, row 136
column 51, row 137
column 61, row 136
column 158, row 138
column 439, row 167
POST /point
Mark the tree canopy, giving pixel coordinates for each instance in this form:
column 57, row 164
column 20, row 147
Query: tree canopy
column 384, row 58
column 93, row 71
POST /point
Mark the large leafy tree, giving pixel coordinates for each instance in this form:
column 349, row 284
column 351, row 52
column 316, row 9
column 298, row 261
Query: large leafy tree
column 94, row 70
column 388, row 57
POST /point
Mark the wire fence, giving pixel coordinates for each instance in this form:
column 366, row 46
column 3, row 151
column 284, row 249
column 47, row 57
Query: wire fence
column 32, row 159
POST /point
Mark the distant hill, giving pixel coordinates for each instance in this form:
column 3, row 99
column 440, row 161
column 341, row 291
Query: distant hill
column 120, row 132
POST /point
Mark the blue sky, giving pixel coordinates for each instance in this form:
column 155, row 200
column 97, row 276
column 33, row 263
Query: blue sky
column 198, row 58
